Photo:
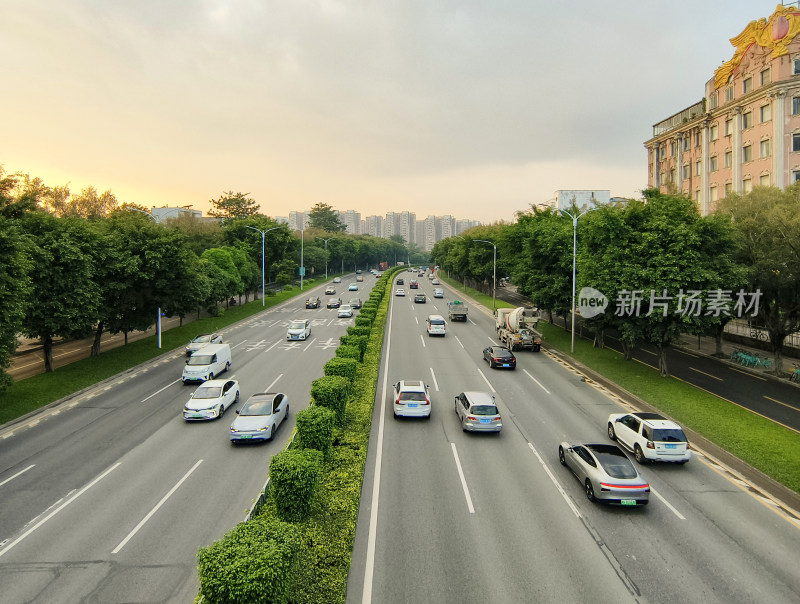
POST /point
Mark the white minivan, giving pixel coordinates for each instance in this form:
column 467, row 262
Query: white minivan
column 435, row 325
column 207, row 363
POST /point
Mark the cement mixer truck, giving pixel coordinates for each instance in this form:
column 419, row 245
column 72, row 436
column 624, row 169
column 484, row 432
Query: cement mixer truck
column 516, row 328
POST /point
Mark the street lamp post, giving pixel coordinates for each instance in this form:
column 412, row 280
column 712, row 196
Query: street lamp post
column 158, row 312
column 262, row 256
column 326, row 254
column 574, row 217
column 494, row 273
column 302, row 268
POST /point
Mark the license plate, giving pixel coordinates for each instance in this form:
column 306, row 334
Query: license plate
column 485, row 421
column 198, row 416
column 245, row 436
column 506, row 365
column 412, row 404
column 628, row 502
column 671, row 446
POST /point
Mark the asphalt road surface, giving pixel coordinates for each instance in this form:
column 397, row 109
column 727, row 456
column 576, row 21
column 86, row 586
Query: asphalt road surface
column 448, row 516
column 108, row 496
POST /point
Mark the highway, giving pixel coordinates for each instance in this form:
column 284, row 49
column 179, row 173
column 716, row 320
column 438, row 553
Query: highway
column 108, row 496
column 447, row 516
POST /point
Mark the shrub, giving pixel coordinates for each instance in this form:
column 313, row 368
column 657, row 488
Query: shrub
column 345, row 351
column 216, row 311
column 251, row 563
column 292, row 478
column 343, row 367
column 331, row 390
column 364, row 321
column 354, row 340
column 359, row 331
column 368, row 312
column 315, row 428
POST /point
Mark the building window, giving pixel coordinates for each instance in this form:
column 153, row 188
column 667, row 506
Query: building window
column 686, row 143
column 697, row 193
column 713, row 193
column 763, row 181
column 747, row 153
column 795, row 142
column 728, row 159
column 765, row 113
column 662, row 178
column 795, row 175
column 747, row 85
column 697, row 139
column 728, row 127
column 713, row 100
column 672, row 148
column 747, row 120
column 795, row 105
column 728, row 189
column 765, row 77
column 686, row 172
column 795, row 66
column 729, row 94
column 714, row 132
column 763, row 149
column 747, row 185
column 712, row 163
column 697, row 167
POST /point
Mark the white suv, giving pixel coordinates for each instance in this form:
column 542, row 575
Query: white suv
column 411, row 398
column 649, row 437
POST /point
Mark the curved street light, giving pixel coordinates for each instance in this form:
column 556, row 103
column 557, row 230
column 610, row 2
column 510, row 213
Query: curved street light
column 158, row 316
column 262, row 256
column 574, row 215
column 326, row 254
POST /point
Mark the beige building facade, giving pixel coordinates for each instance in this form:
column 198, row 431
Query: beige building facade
column 745, row 132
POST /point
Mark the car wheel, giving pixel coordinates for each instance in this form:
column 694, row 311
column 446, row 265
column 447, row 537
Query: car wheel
column 611, row 434
column 561, row 459
column 455, row 408
column 272, row 431
column 589, row 490
column 683, row 461
column 236, row 400
column 463, row 428
column 228, row 366
column 210, row 376
column 639, row 454
column 221, row 411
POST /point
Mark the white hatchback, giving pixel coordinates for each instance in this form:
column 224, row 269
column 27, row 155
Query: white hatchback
column 211, row 399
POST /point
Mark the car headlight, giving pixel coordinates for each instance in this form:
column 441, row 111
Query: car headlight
column 262, row 429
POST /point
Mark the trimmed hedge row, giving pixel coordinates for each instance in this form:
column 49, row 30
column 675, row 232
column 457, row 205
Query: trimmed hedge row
column 314, row 485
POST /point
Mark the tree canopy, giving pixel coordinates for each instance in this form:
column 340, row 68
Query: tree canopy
column 233, row 205
column 322, row 216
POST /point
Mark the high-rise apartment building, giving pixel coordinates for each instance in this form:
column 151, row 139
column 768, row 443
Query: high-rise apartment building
column 408, row 226
column 373, row 225
column 745, row 131
column 352, row 221
column 298, row 221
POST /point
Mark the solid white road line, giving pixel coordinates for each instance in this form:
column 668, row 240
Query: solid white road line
column 159, row 391
column 537, row 381
column 269, row 388
column 555, row 482
column 309, row 344
column 487, row 381
column 155, row 509
column 59, row 508
column 459, row 342
column 10, row 478
column 463, row 480
column 366, row 593
column 421, row 339
column 435, row 385
column 273, row 346
column 667, row 503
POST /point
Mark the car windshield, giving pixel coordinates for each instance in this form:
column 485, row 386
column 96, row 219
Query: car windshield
column 412, row 396
column 669, row 435
column 262, row 407
column 200, row 359
column 205, row 338
column 297, row 325
column 484, row 410
column 616, row 465
column 208, row 392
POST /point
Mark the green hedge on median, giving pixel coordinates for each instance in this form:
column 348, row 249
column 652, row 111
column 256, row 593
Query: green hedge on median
column 315, row 428
column 359, row 341
column 342, row 367
column 348, row 352
column 293, row 477
column 331, row 390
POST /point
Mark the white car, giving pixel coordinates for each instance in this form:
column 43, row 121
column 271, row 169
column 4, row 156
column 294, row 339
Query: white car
column 399, row 292
column 345, row 310
column 412, row 399
column 649, row 436
column 435, row 282
column 299, row 329
column 211, row 399
column 202, row 340
column 353, row 287
column 337, row 279
column 260, row 417
column 438, row 293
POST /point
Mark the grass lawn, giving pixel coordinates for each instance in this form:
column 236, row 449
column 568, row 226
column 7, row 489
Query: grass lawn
column 37, row 391
column 763, row 444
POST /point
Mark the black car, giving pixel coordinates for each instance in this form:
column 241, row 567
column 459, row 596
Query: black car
column 355, row 303
column 400, row 282
column 497, row 356
column 313, row 302
column 419, row 298
column 334, row 303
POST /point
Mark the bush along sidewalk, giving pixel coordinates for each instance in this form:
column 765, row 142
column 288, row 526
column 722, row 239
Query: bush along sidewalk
column 298, row 547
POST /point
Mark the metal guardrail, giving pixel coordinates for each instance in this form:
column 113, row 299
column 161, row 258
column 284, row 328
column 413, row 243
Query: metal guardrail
column 743, row 328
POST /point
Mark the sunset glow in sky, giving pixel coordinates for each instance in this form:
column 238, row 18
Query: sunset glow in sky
column 475, row 109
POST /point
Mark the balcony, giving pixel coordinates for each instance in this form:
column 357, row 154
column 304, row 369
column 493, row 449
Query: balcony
column 679, row 119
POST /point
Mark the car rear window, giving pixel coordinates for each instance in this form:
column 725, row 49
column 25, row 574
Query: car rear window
column 616, row 466
column 297, row 325
column 669, row 435
column 484, row 410
column 437, row 321
column 412, row 396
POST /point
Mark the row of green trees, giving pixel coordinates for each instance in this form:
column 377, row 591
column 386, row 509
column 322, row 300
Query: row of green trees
column 73, row 265
column 665, row 269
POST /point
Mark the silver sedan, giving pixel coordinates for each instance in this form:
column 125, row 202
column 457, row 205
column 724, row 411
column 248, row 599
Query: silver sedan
column 260, row 417
column 605, row 472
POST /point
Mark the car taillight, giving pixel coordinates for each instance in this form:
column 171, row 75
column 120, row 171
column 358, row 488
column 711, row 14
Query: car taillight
column 397, row 402
column 471, row 418
column 497, row 418
column 427, row 402
column 650, row 444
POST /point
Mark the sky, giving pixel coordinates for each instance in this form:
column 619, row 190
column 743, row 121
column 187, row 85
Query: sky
column 474, row 109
